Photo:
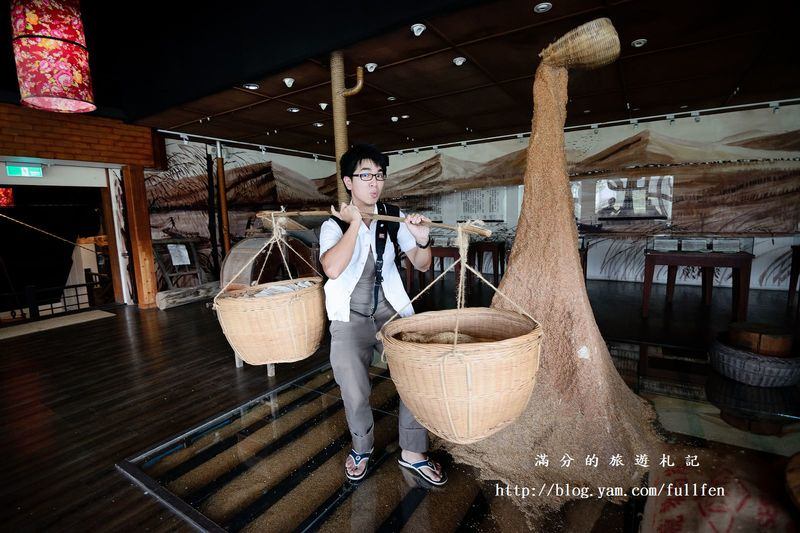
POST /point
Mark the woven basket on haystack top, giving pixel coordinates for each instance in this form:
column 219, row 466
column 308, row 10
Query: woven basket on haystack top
column 279, row 328
column 591, row 45
column 754, row 369
column 468, row 393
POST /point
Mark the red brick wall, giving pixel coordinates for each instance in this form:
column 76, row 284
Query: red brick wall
column 33, row 133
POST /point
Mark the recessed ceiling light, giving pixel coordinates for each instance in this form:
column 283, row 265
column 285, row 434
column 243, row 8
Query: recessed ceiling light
column 371, row 67
column 395, row 119
column 293, row 109
column 251, row 86
column 318, row 124
column 323, row 105
column 288, row 81
column 348, row 122
column 391, row 98
column 542, row 7
column 417, row 29
column 459, row 60
column 684, row 106
column 638, row 43
column 405, row 116
column 587, row 111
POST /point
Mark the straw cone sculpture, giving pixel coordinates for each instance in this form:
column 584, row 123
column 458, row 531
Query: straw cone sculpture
column 580, row 405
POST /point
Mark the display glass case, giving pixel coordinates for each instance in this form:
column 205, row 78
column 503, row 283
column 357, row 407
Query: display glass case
column 700, row 243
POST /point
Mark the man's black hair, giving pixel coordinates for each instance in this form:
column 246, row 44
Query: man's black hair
column 361, row 152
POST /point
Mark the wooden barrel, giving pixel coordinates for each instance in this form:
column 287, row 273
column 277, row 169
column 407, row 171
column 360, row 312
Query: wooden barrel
column 763, row 339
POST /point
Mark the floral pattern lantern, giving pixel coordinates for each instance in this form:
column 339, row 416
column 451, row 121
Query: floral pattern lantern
column 51, row 55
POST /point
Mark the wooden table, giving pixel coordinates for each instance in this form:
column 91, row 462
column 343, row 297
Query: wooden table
column 795, row 272
column 740, row 262
column 436, row 251
column 498, row 251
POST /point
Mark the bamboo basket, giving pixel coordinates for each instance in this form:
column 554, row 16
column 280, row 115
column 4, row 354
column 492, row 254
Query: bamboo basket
column 754, row 369
column 591, row 45
column 468, row 395
column 273, row 329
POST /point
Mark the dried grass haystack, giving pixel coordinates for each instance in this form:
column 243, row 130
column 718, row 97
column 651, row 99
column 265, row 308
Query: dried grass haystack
column 580, row 405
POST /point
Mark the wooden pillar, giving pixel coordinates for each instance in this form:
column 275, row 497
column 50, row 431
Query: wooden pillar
column 338, row 94
column 139, row 230
column 223, row 202
column 111, row 236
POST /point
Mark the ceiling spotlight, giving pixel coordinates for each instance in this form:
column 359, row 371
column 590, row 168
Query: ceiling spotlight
column 348, row 122
column 405, row 116
column 391, row 98
column 459, row 60
column 684, row 106
column 638, row 43
column 587, row 111
column 417, row 29
column 395, row 119
column 293, row 109
column 288, row 81
column 542, row 7
column 371, row 67
column 251, row 86
column 318, row 124
column 323, row 105
column 696, row 115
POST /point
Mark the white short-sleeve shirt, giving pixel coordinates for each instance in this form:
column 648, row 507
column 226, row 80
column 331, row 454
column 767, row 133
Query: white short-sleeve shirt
column 338, row 291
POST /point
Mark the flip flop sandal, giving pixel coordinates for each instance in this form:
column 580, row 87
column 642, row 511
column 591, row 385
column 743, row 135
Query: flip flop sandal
column 357, row 458
column 418, row 468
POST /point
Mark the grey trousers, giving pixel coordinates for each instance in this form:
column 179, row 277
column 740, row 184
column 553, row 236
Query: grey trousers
column 352, row 345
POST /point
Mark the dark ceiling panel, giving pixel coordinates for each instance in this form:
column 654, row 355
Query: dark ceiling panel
column 485, row 20
column 428, row 76
column 220, row 102
column 392, row 47
column 465, row 105
column 697, row 54
column 731, row 56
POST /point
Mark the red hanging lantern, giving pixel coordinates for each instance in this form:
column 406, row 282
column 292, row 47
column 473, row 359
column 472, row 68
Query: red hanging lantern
column 51, row 55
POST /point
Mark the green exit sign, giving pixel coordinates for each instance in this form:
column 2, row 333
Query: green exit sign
column 24, row 170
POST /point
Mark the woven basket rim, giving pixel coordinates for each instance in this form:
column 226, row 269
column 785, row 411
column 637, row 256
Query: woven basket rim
column 387, row 334
column 741, row 353
column 233, row 294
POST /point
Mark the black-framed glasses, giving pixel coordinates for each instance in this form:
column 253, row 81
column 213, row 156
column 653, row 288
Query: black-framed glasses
column 367, row 176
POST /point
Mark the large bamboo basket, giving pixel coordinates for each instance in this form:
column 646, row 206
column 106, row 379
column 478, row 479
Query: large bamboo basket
column 591, row 45
column 274, row 329
column 465, row 396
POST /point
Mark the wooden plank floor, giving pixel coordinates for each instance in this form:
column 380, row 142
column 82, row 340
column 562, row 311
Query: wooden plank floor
column 76, row 400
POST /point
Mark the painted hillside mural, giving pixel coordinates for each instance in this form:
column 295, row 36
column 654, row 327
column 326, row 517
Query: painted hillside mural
column 734, row 174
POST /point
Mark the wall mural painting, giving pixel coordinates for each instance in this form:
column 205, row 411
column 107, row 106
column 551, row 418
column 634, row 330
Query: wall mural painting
column 733, row 173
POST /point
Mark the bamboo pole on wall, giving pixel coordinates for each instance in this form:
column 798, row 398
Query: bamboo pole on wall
column 223, row 201
column 338, row 94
